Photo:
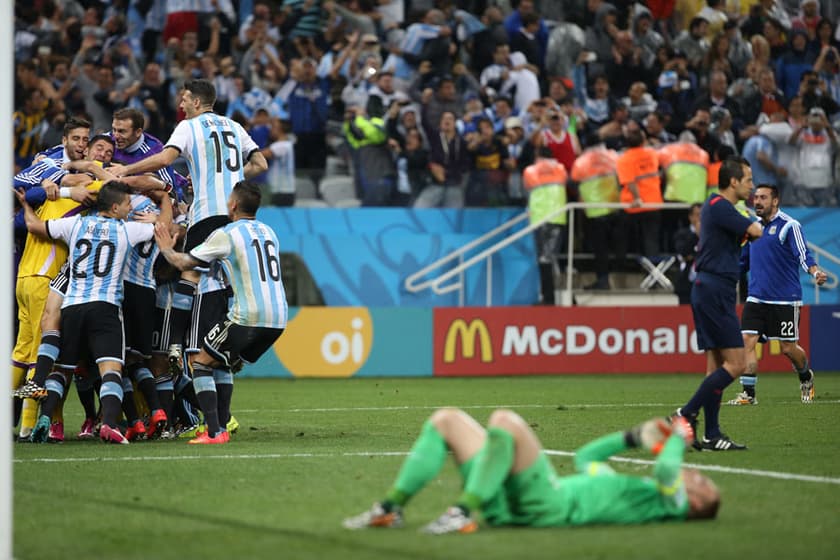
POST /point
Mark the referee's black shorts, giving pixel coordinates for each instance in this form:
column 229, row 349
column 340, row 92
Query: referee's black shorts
column 713, row 301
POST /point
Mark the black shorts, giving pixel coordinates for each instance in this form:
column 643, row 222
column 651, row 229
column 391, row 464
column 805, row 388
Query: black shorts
column 209, row 310
column 62, row 280
column 234, row 344
column 713, row 301
column 139, row 323
column 199, row 232
column 776, row 322
column 163, row 306
column 91, row 329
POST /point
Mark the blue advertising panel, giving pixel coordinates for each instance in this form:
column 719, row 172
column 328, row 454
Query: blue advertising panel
column 825, row 335
column 363, row 256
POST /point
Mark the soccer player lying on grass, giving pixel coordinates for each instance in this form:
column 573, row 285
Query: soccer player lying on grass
column 512, row 482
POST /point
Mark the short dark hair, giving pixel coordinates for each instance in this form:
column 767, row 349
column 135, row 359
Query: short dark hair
column 635, row 137
column 204, row 90
column 111, row 193
column 73, row 123
column 249, row 196
column 138, row 120
column 103, row 138
column 529, row 18
column 774, row 190
column 696, row 22
column 731, row 168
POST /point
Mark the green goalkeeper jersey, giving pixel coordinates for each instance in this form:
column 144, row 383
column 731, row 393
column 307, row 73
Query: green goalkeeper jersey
column 537, row 497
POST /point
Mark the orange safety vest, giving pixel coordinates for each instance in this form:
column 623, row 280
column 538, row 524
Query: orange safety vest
column 641, row 166
column 712, row 181
column 545, row 182
column 594, row 172
column 686, row 173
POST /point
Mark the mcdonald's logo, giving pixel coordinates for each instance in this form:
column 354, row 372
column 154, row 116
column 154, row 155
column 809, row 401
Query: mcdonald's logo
column 467, row 333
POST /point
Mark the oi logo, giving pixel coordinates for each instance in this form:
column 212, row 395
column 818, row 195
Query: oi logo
column 326, row 341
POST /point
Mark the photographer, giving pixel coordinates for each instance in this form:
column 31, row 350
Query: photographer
column 827, row 66
column 813, row 94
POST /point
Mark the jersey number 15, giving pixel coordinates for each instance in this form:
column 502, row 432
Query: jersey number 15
column 228, row 139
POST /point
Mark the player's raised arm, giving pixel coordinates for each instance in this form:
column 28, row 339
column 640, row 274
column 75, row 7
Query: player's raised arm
column 34, row 224
column 152, row 163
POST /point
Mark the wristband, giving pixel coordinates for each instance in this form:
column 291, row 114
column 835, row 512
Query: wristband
column 64, row 192
column 815, row 273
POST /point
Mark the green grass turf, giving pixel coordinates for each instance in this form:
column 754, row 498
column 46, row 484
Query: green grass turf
column 282, row 486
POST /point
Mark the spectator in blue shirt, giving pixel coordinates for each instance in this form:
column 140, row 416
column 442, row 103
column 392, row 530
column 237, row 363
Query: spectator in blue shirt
column 306, row 97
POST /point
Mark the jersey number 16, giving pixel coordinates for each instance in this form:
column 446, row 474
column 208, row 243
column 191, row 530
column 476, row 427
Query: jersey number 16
column 268, row 260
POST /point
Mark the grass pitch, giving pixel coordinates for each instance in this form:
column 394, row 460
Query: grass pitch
column 311, row 452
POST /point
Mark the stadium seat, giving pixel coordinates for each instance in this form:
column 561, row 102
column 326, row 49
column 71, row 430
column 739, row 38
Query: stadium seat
column 310, row 203
column 336, row 166
column 339, row 191
column 305, row 187
column 348, row 203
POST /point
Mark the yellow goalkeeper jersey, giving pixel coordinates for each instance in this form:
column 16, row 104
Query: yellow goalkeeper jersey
column 44, row 257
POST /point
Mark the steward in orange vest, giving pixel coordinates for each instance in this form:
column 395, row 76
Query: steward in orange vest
column 638, row 173
column 545, row 183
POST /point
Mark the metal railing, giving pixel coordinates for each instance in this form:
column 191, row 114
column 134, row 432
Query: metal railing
column 831, row 283
column 416, row 283
column 413, row 283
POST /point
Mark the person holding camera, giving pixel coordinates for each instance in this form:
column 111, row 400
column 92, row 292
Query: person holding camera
column 827, row 67
column 814, row 94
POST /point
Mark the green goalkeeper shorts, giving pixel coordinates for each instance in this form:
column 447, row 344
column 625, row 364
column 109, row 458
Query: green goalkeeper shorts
column 531, row 497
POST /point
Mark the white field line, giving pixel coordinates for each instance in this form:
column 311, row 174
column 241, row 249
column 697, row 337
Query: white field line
column 715, row 468
column 513, row 406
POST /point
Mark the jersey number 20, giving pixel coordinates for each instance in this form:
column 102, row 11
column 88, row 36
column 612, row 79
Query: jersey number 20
column 103, row 258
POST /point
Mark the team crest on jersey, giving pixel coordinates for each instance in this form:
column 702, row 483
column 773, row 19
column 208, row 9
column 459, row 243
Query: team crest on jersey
column 772, row 230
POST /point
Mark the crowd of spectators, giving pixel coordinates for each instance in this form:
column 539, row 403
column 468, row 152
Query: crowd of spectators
column 446, row 102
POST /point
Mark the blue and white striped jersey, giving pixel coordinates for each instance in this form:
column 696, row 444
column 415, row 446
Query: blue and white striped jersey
column 98, row 247
column 56, row 153
column 774, row 260
column 140, row 263
column 33, row 175
column 216, row 149
column 212, row 281
column 281, row 167
column 249, row 253
column 413, row 42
